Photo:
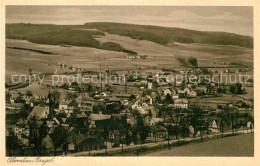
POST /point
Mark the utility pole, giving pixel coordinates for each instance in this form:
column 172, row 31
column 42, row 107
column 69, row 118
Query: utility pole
column 89, row 147
column 125, row 85
column 100, row 79
column 218, row 80
column 169, row 147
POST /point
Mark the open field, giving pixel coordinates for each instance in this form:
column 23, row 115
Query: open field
column 97, row 49
column 158, row 56
column 241, row 145
column 84, row 57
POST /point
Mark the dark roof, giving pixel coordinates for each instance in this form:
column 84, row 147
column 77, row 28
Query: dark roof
column 158, row 128
column 99, row 116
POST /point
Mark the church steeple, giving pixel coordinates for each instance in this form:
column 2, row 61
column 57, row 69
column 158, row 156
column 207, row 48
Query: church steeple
column 50, row 105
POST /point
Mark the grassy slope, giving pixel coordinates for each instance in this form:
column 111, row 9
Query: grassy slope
column 241, row 145
column 164, row 36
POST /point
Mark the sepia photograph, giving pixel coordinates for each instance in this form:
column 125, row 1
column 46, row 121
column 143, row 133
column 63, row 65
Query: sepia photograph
column 129, row 81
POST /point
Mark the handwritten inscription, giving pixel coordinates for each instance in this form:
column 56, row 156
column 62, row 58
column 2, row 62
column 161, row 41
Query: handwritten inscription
column 30, row 160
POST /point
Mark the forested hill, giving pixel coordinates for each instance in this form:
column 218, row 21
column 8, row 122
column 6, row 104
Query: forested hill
column 79, row 35
column 165, row 35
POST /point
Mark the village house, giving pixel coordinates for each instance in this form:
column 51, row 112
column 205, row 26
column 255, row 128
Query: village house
column 123, row 96
column 39, row 112
column 149, row 99
column 187, row 91
column 64, row 105
column 213, row 127
column 14, row 106
column 181, row 93
column 114, row 99
column 150, row 85
column 86, row 106
column 192, row 94
column 51, row 124
column 167, row 92
column 98, row 119
column 151, row 121
column 137, row 106
column 22, row 131
column 14, row 97
column 249, row 125
column 175, row 96
column 157, row 131
column 181, row 103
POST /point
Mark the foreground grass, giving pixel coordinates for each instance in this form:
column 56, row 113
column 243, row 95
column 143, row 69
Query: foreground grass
column 240, row 145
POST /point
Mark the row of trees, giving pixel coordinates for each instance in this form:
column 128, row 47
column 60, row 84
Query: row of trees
column 200, row 120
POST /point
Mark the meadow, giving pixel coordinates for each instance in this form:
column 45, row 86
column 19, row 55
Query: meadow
column 87, row 46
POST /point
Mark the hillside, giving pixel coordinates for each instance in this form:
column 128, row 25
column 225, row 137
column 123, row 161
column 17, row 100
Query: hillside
column 59, row 35
column 80, row 35
column 165, row 36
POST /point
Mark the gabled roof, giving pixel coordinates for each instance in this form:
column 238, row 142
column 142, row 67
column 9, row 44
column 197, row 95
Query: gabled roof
column 125, row 95
column 38, row 112
column 99, row 116
column 167, row 90
column 15, row 96
column 156, row 120
column 181, row 101
column 22, row 123
column 76, row 138
column 65, row 102
column 158, row 128
column 82, row 115
column 114, row 99
column 181, row 91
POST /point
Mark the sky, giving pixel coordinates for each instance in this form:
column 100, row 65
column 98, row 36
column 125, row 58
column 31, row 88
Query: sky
column 237, row 20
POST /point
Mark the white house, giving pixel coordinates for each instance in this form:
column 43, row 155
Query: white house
column 181, row 103
column 138, row 107
column 150, row 99
column 214, row 127
column 152, row 121
column 249, row 124
column 166, row 92
column 192, row 94
column 150, row 85
column 187, row 90
column 64, row 105
column 175, row 96
column 103, row 94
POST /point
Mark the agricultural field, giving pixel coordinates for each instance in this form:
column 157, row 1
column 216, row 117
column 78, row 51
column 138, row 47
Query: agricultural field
column 25, row 52
column 214, row 101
